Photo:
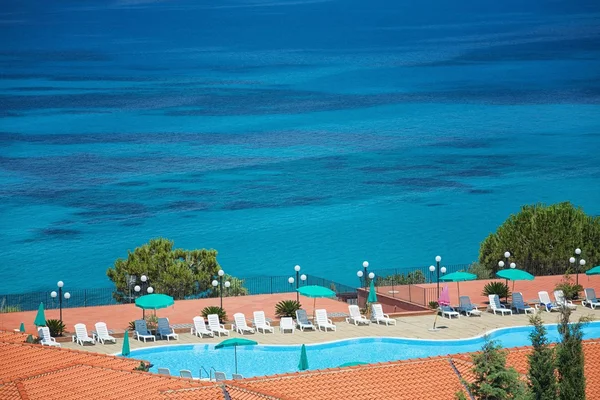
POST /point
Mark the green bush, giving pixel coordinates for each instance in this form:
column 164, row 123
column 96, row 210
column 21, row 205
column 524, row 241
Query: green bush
column 481, row 271
column 8, row 309
column 570, row 289
column 499, row 288
column 56, row 326
column 215, row 310
column 411, row 278
column 433, row 305
column 151, row 322
column 143, row 367
column 287, row 308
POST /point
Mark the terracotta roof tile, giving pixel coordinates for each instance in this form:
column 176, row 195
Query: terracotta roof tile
column 12, row 337
column 10, row 391
column 234, row 392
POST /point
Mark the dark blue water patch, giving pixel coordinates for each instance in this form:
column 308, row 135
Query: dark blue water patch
column 59, row 233
column 481, row 191
column 465, row 143
column 198, row 193
column 39, row 88
column 399, row 168
column 187, row 205
column 112, row 209
column 56, row 56
column 305, row 200
column 131, row 222
column 421, row 184
column 435, row 204
column 245, row 205
column 132, row 184
column 472, row 173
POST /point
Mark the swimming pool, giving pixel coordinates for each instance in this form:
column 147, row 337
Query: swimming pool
column 276, row 359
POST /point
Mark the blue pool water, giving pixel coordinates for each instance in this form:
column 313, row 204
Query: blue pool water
column 267, row 360
column 284, row 132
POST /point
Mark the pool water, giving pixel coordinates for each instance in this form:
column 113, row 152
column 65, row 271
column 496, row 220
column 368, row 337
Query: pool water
column 275, row 359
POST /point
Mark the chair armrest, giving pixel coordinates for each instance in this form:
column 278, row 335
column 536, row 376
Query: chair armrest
column 330, row 321
column 223, row 326
column 52, row 339
column 267, row 323
column 386, row 315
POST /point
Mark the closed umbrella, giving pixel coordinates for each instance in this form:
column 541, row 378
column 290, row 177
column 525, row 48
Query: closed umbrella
column 22, row 327
column 40, row 317
column 372, row 293
column 458, row 277
column 514, row 274
column 303, row 364
column 315, row 292
column 235, row 342
column 125, row 351
column 444, row 300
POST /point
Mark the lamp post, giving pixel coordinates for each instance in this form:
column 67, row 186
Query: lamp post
column 297, row 280
column 578, row 255
column 363, row 274
column 219, row 283
column 582, row 263
column 67, row 296
column 437, row 262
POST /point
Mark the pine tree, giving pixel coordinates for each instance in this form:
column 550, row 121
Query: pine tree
column 493, row 380
column 569, row 358
column 542, row 380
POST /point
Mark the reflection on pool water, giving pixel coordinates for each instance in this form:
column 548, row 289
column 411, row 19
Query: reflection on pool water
column 272, row 359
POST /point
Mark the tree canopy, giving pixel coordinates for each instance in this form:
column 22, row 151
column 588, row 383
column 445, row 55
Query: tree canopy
column 176, row 272
column 541, row 239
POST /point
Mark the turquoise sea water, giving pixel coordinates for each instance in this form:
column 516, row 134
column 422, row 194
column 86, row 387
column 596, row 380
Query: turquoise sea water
column 268, row 360
column 283, row 132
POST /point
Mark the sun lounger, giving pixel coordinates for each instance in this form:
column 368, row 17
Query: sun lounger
column 220, row 376
column 199, row 329
column 81, row 335
column 559, row 297
column 46, row 339
column 496, row 306
column 546, row 303
column 102, row 334
column 164, row 329
column 186, row 373
column 237, row 376
column 356, row 317
column 286, row 324
column 449, row 312
column 518, row 304
column 260, row 322
column 378, row 316
column 240, row 324
column 323, row 322
column 302, row 320
column 215, row 326
column 590, row 299
column 142, row 332
column 465, row 306
column 164, row 371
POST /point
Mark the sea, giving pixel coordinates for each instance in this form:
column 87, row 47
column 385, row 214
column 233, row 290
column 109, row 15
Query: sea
column 321, row 133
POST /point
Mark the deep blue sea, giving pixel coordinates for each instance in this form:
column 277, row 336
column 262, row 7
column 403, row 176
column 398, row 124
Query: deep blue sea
column 282, row 132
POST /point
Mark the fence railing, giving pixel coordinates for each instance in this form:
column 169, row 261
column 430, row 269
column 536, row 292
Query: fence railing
column 109, row 295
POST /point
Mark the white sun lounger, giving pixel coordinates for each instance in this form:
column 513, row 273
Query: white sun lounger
column 303, row 321
column 496, row 306
column 467, row 307
column 260, row 322
column 518, row 304
column 323, row 322
column 590, row 299
column 199, row 329
column 46, row 339
column 286, row 324
column 559, row 296
column 545, row 302
column 220, row 376
column 356, row 317
column 102, row 334
column 164, row 329
column 378, row 316
column 142, row 332
column 449, row 312
column 81, row 335
column 240, row 324
column 164, row 371
column 186, row 373
column 215, row 326
column 237, row 376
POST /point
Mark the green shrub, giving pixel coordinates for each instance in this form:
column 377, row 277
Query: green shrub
column 56, row 326
column 142, row 367
column 8, row 309
column 287, row 308
column 433, row 305
column 215, row 310
column 480, row 270
column 570, row 289
column 411, row 278
column 499, row 288
column 151, row 322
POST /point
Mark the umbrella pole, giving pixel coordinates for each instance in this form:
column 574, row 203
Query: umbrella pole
column 506, row 298
column 458, row 287
column 314, row 307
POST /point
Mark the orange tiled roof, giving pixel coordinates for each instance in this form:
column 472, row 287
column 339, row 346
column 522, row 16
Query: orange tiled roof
column 12, row 337
column 234, row 392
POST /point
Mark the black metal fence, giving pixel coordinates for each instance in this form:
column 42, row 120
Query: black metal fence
column 107, row 296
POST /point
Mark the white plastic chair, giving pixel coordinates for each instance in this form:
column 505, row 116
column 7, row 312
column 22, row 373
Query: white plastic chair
column 260, row 322
column 496, row 306
column 378, row 316
column 46, row 339
column 590, row 299
column 220, row 376
column 199, row 329
column 356, row 317
column 545, row 302
column 164, row 371
column 81, row 335
column 186, row 373
column 215, row 326
column 559, row 296
column 102, row 334
column 237, row 376
column 241, row 325
column 323, row 322
column 286, row 324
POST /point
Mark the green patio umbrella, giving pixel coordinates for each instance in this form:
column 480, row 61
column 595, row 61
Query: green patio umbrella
column 154, row 302
column 458, row 277
column 315, row 292
column 372, row 293
column 514, row 274
column 303, row 364
column 235, row 342
column 352, row 364
column 593, row 271
column 40, row 317
column 22, row 327
column 126, row 351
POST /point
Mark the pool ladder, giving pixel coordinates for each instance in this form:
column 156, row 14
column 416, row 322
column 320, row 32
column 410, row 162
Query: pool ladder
column 209, row 375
